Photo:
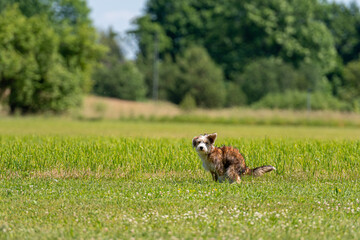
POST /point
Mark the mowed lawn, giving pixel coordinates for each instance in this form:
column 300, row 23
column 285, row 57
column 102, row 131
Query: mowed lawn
column 66, row 179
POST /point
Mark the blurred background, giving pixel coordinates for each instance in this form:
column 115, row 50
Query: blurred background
column 156, row 58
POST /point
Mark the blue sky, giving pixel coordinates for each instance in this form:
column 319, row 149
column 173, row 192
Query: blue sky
column 115, row 13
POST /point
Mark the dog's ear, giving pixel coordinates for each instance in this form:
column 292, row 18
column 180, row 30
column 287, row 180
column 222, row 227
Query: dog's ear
column 194, row 141
column 212, row 137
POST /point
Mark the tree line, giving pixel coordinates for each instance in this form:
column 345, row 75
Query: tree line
column 258, row 51
column 211, row 54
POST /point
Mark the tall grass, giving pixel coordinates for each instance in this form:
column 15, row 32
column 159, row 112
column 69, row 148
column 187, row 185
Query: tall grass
column 77, row 180
column 134, row 157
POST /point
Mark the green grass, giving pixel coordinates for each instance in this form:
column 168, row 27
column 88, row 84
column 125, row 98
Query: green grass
column 67, row 127
column 185, row 208
column 80, row 180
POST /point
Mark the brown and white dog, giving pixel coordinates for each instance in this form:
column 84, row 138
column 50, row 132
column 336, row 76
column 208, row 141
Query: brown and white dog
column 225, row 162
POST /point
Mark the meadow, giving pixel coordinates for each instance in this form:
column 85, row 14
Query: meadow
column 68, row 179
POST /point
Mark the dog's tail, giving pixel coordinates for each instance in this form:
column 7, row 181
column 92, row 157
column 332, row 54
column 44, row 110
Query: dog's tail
column 259, row 171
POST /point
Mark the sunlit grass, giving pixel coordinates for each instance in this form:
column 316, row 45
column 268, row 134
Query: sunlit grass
column 271, row 208
column 133, row 157
column 81, row 180
column 139, row 128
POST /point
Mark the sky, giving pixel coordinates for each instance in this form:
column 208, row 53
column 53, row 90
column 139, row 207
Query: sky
column 119, row 14
column 115, row 13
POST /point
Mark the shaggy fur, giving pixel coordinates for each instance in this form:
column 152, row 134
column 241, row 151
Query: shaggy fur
column 225, row 162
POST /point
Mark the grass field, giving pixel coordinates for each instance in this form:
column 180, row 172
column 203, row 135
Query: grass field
column 65, row 179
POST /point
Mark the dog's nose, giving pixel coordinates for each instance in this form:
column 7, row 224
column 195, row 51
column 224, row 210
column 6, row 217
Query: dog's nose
column 201, row 148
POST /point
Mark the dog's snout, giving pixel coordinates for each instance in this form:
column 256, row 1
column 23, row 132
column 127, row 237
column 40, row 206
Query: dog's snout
column 201, row 148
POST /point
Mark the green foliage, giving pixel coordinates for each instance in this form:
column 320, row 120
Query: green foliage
column 188, row 103
column 255, row 28
column 119, row 80
column 110, row 39
column 265, row 76
column 235, row 95
column 45, row 67
column 58, row 12
column 261, row 46
column 194, row 74
column 28, row 7
column 114, row 77
column 352, row 79
column 297, row 100
column 200, row 77
column 343, row 21
column 272, row 75
column 350, row 91
column 169, row 73
column 147, row 33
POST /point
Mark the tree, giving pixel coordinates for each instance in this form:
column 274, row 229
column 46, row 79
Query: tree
column 147, row 34
column 267, row 75
column 343, row 21
column 45, row 66
column 200, row 78
column 57, row 11
column 119, row 80
column 115, row 77
column 236, row 32
column 350, row 90
column 110, row 39
column 273, row 75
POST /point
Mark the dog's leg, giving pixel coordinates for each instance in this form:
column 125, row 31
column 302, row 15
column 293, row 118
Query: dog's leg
column 222, row 179
column 233, row 175
column 214, row 176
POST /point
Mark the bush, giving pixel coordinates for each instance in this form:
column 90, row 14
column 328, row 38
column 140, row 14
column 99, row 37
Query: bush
column 271, row 75
column 44, row 66
column 350, row 91
column 297, row 100
column 234, row 95
column 121, row 80
column 194, row 73
column 188, row 103
column 266, row 75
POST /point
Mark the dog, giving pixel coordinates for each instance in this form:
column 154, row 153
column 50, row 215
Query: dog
column 225, row 162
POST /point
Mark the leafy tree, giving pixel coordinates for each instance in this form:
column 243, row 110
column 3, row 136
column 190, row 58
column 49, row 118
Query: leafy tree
column 193, row 76
column 44, row 67
column 344, row 23
column 188, row 103
column 272, row 75
column 120, row 80
column 236, row 32
column 350, row 91
column 115, row 77
column 200, row 78
column 28, row 7
column 149, row 32
column 235, row 96
column 57, row 11
column 267, row 75
column 261, row 29
column 110, row 39
column 168, row 75
column 29, row 61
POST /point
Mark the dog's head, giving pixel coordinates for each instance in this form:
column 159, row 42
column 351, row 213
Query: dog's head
column 203, row 143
